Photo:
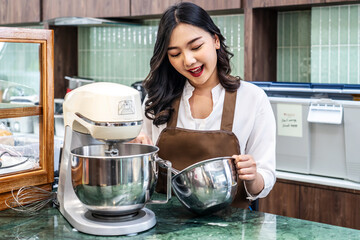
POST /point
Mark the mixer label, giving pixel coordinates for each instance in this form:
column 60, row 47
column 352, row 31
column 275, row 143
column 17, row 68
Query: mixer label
column 126, row 107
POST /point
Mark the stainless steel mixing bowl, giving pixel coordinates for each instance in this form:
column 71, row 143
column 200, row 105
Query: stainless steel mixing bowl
column 114, row 185
column 207, row 186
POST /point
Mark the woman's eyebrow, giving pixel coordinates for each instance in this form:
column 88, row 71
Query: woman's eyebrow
column 190, row 42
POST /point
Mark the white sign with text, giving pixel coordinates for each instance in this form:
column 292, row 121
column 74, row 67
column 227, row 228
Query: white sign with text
column 289, row 120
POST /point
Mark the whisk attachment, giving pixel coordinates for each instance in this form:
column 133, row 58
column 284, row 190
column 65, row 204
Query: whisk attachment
column 30, row 199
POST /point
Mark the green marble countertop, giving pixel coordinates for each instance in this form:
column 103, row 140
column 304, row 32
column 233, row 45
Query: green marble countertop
column 175, row 222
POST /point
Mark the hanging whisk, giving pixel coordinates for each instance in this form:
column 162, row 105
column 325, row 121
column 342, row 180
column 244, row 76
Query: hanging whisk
column 30, row 199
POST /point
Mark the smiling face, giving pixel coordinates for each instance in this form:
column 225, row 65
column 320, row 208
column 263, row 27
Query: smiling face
column 192, row 52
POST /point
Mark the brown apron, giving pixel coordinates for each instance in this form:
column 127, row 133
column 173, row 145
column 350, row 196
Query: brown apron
column 184, row 147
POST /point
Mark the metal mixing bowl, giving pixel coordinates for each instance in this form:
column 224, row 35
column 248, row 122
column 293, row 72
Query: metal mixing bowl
column 114, row 185
column 207, row 186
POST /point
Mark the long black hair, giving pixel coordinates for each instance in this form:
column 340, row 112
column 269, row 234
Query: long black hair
column 164, row 83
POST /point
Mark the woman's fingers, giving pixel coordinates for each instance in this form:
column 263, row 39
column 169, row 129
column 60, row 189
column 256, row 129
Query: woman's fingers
column 245, row 167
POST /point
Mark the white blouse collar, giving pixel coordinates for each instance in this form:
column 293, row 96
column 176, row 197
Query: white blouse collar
column 216, row 91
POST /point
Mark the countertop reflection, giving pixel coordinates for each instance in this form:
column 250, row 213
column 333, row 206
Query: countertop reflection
column 175, row 222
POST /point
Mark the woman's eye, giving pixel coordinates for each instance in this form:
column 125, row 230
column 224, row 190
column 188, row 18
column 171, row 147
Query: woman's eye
column 174, row 55
column 197, row 47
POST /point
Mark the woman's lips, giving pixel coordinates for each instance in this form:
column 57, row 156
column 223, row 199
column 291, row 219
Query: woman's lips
column 196, row 72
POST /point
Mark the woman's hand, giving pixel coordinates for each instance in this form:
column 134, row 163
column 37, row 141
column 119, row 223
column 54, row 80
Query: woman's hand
column 247, row 171
column 143, row 139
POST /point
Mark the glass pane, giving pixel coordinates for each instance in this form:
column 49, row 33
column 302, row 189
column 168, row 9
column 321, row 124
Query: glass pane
column 19, row 74
column 19, row 87
column 19, row 144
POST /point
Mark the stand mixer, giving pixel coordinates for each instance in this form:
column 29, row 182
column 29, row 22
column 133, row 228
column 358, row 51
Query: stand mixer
column 105, row 183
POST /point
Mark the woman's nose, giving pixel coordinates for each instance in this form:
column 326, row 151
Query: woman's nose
column 189, row 59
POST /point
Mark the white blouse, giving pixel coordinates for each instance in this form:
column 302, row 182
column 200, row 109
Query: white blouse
column 254, row 126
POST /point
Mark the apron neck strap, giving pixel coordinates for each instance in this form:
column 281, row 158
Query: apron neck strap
column 174, row 115
column 228, row 111
column 227, row 116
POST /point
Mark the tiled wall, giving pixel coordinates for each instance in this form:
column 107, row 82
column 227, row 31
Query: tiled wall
column 122, row 53
column 116, row 54
column 335, row 44
column 293, row 52
column 232, row 27
column 319, row 46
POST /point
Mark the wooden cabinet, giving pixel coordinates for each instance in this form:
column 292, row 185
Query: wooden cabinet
column 85, row 8
column 19, row 11
column 319, row 203
column 214, row 5
column 282, row 200
column 150, row 7
column 334, row 206
column 41, row 172
column 157, row 7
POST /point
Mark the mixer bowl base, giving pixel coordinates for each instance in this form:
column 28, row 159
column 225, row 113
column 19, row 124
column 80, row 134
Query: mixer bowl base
column 114, row 218
column 83, row 221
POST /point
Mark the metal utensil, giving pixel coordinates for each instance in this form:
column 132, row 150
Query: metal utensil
column 30, row 199
column 115, row 183
column 207, row 186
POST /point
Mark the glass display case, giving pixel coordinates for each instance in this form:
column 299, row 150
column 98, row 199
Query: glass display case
column 26, row 109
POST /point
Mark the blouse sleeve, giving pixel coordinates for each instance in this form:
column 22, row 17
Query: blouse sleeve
column 261, row 145
column 147, row 123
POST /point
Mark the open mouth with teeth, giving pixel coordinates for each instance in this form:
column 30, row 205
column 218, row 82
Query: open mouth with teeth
column 196, row 72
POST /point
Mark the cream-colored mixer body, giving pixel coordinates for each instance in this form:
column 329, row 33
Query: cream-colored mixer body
column 106, row 111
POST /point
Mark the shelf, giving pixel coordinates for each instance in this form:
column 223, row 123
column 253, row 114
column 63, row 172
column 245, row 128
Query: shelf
column 19, row 111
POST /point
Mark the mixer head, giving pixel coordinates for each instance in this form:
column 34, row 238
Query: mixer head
column 109, row 112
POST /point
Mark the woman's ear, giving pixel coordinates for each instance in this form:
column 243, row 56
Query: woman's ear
column 217, row 41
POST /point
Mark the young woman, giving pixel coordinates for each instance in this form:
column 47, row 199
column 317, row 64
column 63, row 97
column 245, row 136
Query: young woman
column 195, row 110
